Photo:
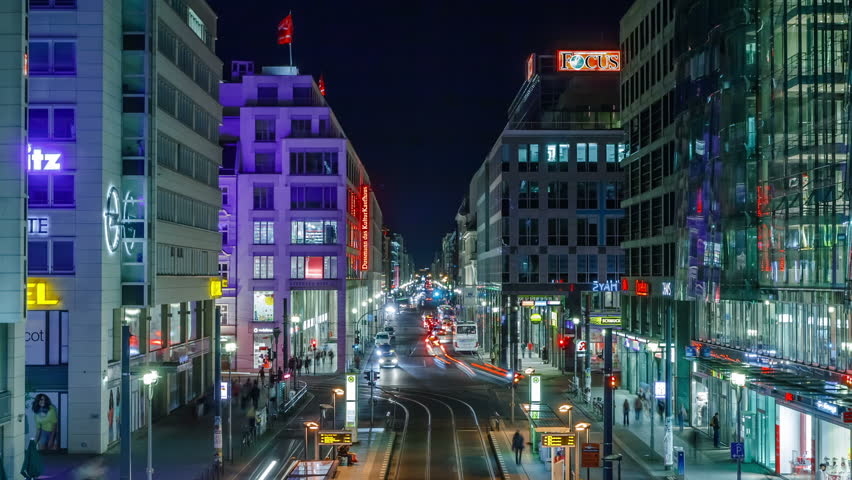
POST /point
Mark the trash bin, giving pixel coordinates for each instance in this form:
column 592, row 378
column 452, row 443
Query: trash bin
column 344, row 461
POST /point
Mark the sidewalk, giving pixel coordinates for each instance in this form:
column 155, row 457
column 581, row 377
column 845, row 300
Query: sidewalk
column 373, row 450
column 634, row 440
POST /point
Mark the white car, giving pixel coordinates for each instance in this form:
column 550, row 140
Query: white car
column 382, row 338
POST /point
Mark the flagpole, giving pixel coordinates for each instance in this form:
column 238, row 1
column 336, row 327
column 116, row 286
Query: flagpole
column 291, row 38
column 291, row 53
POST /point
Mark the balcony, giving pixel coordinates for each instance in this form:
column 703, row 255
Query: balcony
column 324, row 133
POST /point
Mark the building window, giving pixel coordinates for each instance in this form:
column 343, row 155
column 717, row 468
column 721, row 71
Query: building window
column 313, row 267
column 196, row 24
column 615, row 231
column 614, row 194
column 528, row 271
column 50, row 190
column 528, row 158
column 264, row 129
column 223, row 271
column 263, row 267
column 587, row 195
column 52, row 57
column 264, row 232
column 614, row 156
column 557, row 195
column 313, row 232
column 264, row 162
column 267, row 94
column 557, row 269
column 264, row 198
column 264, row 306
column 224, row 317
column 223, row 230
column 51, row 123
column 528, row 194
column 224, row 195
column 55, row 256
column 587, row 232
column 300, row 127
column 587, row 157
column 505, row 159
column 54, row 4
column 527, row 231
column 47, row 337
column 557, row 157
column 614, row 267
column 587, row 268
column 313, row 163
column 313, row 198
column 557, row 231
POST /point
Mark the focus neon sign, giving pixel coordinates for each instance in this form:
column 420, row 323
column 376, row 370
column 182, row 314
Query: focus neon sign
column 588, row 61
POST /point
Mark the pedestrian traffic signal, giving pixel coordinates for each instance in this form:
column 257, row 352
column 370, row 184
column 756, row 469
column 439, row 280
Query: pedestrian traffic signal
column 612, row 382
column 314, row 343
column 563, row 343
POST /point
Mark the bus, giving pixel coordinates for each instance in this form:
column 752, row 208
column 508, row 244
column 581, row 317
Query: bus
column 465, row 337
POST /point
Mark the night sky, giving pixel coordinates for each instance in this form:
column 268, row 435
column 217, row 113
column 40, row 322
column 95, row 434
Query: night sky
column 420, row 88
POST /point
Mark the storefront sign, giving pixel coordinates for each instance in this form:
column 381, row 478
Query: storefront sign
column 261, row 330
column 558, row 439
column 553, row 303
column 38, row 226
column 527, row 303
column 590, row 455
column 691, row 352
column 535, row 318
column 827, row 407
column 588, row 61
column 847, row 417
column 581, row 346
column 607, row 286
column 216, row 287
column 643, row 288
column 365, row 227
column 38, row 161
column 335, row 438
column 667, row 289
column 625, row 284
column 659, row 389
column 223, row 390
column 610, row 322
column 39, row 295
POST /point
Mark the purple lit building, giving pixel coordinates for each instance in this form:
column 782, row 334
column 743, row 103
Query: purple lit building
column 301, row 229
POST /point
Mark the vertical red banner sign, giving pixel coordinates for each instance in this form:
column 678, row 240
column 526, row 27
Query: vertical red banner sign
column 365, row 227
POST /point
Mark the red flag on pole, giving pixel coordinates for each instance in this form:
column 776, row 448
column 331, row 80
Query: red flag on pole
column 322, row 85
column 285, row 30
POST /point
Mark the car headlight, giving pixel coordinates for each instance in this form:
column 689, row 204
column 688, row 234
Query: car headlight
column 393, row 360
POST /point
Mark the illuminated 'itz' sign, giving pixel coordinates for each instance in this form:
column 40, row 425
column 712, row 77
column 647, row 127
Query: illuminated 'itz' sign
column 585, row 61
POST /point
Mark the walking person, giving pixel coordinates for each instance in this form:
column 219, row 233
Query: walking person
column 307, row 365
column 255, row 394
column 637, row 407
column 626, row 417
column 299, row 365
column 682, row 416
column 331, row 357
column 518, row 446
column 714, row 423
column 262, row 375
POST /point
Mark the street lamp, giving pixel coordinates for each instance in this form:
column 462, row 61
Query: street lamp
column 529, row 371
column 230, row 348
column 565, row 408
column 363, row 304
column 150, row 379
column 315, row 427
column 337, row 392
column 579, row 428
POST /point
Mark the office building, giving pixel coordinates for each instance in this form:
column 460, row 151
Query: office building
column 301, row 227
column 123, row 160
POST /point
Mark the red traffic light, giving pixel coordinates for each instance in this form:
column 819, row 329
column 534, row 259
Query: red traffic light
column 314, row 343
column 612, row 382
column 563, row 343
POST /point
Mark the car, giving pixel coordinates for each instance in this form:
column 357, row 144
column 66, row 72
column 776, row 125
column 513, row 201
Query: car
column 383, row 349
column 444, row 337
column 382, row 338
column 390, row 330
column 388, row 359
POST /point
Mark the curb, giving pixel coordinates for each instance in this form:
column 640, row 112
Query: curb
column 501, row 462
column 383, row 472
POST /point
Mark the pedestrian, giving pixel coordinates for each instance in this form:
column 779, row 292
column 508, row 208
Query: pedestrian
column 544, row 353
column 299, row 365
column 307, row 365
column 255, row 394
column 262, row 374
column 681, row 416
column 357, row 362
column 637, row 407
column 714, row 423
column 626, row 417
column 661, row 408
column 280, row 374
column 331, row 356
column 821, row 475
column 291, row 363
column 518, row 446
column 251, row 418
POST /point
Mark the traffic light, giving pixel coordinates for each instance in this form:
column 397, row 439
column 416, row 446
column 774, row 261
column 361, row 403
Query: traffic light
column 612, row 382
column 516, row 379
column 314, row 344
column 371, row 377
column 563, row 343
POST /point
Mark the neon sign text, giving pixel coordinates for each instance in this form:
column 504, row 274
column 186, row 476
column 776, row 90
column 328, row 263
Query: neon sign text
column 38, row 294
column 607, row 286
column 365, row 227
column 37, row 160
column 586, row 61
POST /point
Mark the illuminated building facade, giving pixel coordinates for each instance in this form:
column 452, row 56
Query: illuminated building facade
column 546, row 207
column 302, row 231
column 123, row 164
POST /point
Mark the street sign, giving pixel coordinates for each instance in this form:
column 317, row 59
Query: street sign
column 558, row 439
column 581, row 346
column 737, row 451
column 605, row 321
column 335, row 438
column 847, row 417
column 223, row 390
column 590, row 455
column 660, row 390
column 535, row 388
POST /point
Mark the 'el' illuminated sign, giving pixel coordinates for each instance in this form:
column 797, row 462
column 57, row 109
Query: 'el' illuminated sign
column 216, row 287
column 365, row 227
column 586, row 61
column 37, row 160
column 39, row 295
column 642, row 288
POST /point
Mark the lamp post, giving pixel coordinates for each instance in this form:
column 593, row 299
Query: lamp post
column 295, row 320
column 738, row 380
column 337, row 392
column 310, row 426
column 149, row 379
column 230, row 348
column 565, row 408
column 580, row 427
